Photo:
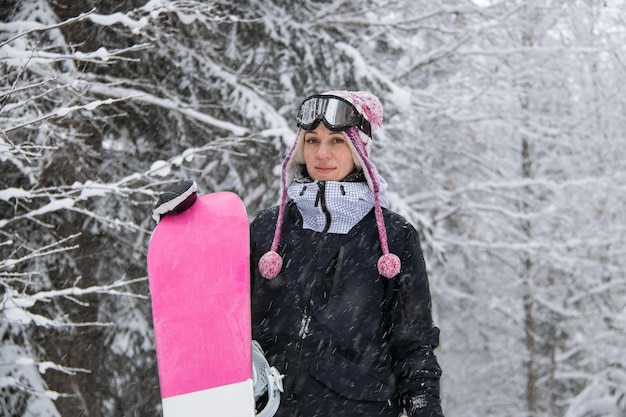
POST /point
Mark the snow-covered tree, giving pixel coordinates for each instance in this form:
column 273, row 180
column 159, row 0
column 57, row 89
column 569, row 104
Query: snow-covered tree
column 58, row 211
column 519, row 194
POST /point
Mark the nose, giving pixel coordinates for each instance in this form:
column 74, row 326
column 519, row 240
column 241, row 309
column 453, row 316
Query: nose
column 323, row 151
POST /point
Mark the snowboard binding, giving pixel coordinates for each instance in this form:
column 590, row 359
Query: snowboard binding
column 266, row 380
column 176, row 200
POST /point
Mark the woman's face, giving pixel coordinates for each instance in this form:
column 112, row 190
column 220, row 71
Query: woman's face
column 326, row 154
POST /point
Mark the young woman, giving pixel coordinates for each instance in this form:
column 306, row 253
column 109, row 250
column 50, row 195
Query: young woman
column 340, row 294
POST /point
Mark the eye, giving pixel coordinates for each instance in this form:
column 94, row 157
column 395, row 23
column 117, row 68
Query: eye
column 311, row 140
column 338, row 140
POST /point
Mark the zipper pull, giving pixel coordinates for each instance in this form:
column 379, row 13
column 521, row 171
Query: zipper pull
column 304, row 326
column 320, row 193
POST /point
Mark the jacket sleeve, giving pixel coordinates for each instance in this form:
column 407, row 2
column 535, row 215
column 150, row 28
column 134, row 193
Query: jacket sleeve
column 412, row 335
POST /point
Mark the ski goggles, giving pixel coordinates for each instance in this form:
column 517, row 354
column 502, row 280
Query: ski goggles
column 336, row 113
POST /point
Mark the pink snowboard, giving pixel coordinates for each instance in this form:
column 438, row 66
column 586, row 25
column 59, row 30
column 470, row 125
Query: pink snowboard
column 198, row 265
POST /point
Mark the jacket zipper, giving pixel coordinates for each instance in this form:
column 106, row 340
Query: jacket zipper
column 306, row 317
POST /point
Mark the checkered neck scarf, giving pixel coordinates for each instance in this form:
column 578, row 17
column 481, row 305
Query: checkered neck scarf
column 346, row 201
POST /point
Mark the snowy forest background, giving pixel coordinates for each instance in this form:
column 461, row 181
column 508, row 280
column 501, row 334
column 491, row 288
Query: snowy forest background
column 503, row 143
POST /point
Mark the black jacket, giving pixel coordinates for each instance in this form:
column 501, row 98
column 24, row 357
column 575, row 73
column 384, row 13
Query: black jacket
column 349, row 342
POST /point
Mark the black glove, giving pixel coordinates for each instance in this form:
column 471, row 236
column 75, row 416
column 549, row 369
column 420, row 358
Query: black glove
column 423, row 405
column 176, row 200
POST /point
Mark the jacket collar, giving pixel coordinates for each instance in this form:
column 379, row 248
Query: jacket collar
column 342, row 203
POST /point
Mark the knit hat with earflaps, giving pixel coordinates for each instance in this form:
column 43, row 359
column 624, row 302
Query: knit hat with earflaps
column 360, row 144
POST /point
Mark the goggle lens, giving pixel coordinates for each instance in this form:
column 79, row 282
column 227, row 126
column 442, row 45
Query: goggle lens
column 336, row 113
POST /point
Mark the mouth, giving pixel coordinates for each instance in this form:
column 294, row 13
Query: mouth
column 324, row 170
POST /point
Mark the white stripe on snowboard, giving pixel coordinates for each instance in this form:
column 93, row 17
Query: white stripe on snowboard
column 235, row 400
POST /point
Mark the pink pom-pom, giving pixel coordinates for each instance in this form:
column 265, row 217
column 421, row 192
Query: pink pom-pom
column 389, row 265
column 270, row 264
